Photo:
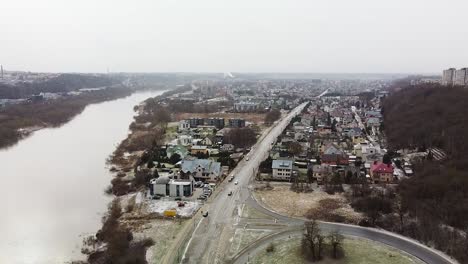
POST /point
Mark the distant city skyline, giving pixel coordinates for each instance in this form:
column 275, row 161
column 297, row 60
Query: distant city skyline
column 363, row 36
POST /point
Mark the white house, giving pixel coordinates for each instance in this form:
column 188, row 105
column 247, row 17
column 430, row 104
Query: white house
column 184, row 140
column 282, row 169
column 184, row 125
column 202, row 169
column 166, row 186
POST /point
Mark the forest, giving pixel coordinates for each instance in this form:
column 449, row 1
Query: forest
column 434, row 202
column 60, row 84
column 49, row 112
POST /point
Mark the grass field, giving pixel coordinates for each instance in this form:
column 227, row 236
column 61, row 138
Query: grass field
column 356, row 251
column 284, row 201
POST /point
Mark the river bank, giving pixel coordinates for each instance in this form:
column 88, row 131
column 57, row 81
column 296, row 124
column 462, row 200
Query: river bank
column 55, row 181
column 19, row 121
column 128, row 215
column 142, row 156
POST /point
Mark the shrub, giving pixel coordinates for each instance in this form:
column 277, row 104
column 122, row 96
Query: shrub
column 270, row 248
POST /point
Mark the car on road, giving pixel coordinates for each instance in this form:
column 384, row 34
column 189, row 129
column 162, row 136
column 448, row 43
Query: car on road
column 247, row 159
column 230, row 193
column 205, row 214
column 236, row 182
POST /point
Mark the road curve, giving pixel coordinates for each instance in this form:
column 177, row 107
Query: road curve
column 410, row 246
column 209, row 237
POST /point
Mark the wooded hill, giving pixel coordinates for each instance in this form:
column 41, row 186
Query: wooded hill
column 62, row 83
column 437, row 196
column 428, row 116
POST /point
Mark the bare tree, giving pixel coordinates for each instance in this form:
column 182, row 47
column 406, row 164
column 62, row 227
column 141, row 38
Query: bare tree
column 312, row 240
column 320, row 240
column 335, row 240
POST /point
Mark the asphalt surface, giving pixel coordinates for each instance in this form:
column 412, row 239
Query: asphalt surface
column 405, row 244
column 209, row 239
column 203, row 247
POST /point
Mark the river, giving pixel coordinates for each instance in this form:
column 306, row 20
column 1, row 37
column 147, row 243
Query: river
column 53, row 184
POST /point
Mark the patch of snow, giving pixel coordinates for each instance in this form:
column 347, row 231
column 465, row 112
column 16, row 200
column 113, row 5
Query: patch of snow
column 159, row 207
column 139, row 197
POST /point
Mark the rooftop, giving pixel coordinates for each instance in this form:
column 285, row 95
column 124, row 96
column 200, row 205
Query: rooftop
column 282, row 164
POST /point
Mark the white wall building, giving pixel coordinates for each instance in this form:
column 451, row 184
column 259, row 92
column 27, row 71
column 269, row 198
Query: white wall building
column 448, row 76
column 184, row 140
column 461, row 77
column 184, row 125
column 164, row 186
column 282, row 169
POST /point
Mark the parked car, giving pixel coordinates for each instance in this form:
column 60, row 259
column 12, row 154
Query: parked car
column 236, row 182
column 156, row 197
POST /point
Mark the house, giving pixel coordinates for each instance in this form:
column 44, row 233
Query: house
column 246, row 106
column 199, row 150
column 381, row 172
column 375, row 114
column 177, row 149
column 359, row 148
column 282, row 169
column 358, row 139
column 332, row 149
column 236, row 122
column 184, row 140
column 355, row 134
column 184, row 125
column 201, row 169
column 165, row 186
column 370, row 153
column 195, row 122
column 227, row 148
column 373, row 122
column 220, row 134
column 321, row 172
column 206, row 141
column 236, row 156
column 298, row 126
column 335, row 159
column 299, row 136
column 216, row 122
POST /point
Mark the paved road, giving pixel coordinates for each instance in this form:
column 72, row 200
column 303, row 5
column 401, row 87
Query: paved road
column 212, row 235
column 408, row 245
column 223, row 210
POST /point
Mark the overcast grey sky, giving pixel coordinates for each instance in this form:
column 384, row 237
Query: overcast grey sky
column 397, row 36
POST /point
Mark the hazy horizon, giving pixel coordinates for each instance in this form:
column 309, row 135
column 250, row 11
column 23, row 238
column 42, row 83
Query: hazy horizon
column 206, row 36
